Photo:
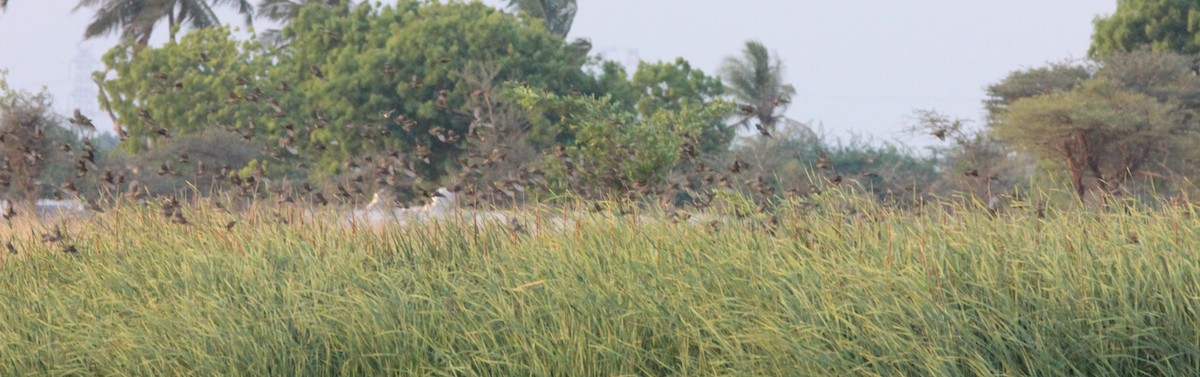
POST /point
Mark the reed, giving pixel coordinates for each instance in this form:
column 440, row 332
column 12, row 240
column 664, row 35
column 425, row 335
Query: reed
column 832, row 286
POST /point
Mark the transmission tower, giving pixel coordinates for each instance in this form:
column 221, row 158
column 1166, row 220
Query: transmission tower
column 83, row 93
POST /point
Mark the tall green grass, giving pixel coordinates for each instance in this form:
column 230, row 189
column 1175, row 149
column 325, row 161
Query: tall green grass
column 840, row 287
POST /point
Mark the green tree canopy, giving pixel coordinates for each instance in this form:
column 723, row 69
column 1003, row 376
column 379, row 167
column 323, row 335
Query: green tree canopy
column 1032, row 82
column 1162, row 25
column 1098, row 131
column 672, row 86
column 669, row 85
column 616, row 150
column 1164, row 75
column 206, row 80
column 391, row 79
column 374, row 81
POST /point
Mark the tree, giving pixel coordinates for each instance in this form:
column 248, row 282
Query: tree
column 756, row 80
column 672, row 86
column 135, row 19
column 556, row 15
column 386, row 81
column 1164, row 75
column 206, row 80
column 390, row 79
column 613, row 80
column 1162, row 25
column 1055, row 77
column 1098, row 131
column 970, row 160
column 29, row 136
column 616, row 150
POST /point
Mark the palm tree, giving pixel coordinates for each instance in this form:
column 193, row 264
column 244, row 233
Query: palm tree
column 284, row 11
column 557, row 14
column 756, row 79
column 135, row 19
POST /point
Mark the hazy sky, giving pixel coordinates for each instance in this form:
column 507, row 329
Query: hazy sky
column 858, row 66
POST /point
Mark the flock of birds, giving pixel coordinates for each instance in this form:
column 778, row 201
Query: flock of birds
column 483, row 173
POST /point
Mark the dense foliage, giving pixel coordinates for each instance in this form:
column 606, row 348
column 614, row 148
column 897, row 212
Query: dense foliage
column 620, row 151
column 1128, row 115
column 1162, row 25
column 32, row 144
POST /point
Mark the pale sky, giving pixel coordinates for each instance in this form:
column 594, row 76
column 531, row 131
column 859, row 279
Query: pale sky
column 858, row 66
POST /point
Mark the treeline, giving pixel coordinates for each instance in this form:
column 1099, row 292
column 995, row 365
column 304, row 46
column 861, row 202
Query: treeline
column 347, row 99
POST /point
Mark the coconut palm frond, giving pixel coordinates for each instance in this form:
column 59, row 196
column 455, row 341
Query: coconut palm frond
column 278, row 10
column 135, row 19
column 244, row 8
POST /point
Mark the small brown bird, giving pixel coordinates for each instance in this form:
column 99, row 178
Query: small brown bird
column 316, row 72
column 762, row 130
column 514, row 226
column 230, row 224
column 319, row 199
column 70, row 249
column 11, row 249
column 972, row 173
column 940, row 134
column 822, row 161
column 179, row 219
column 271, row 101
column 82, row 121
column 747, row 109
column 69, row 188
column 55, row 235
column 737, row 165
column 92, row 205
column 442, row 98
column 330, row 34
